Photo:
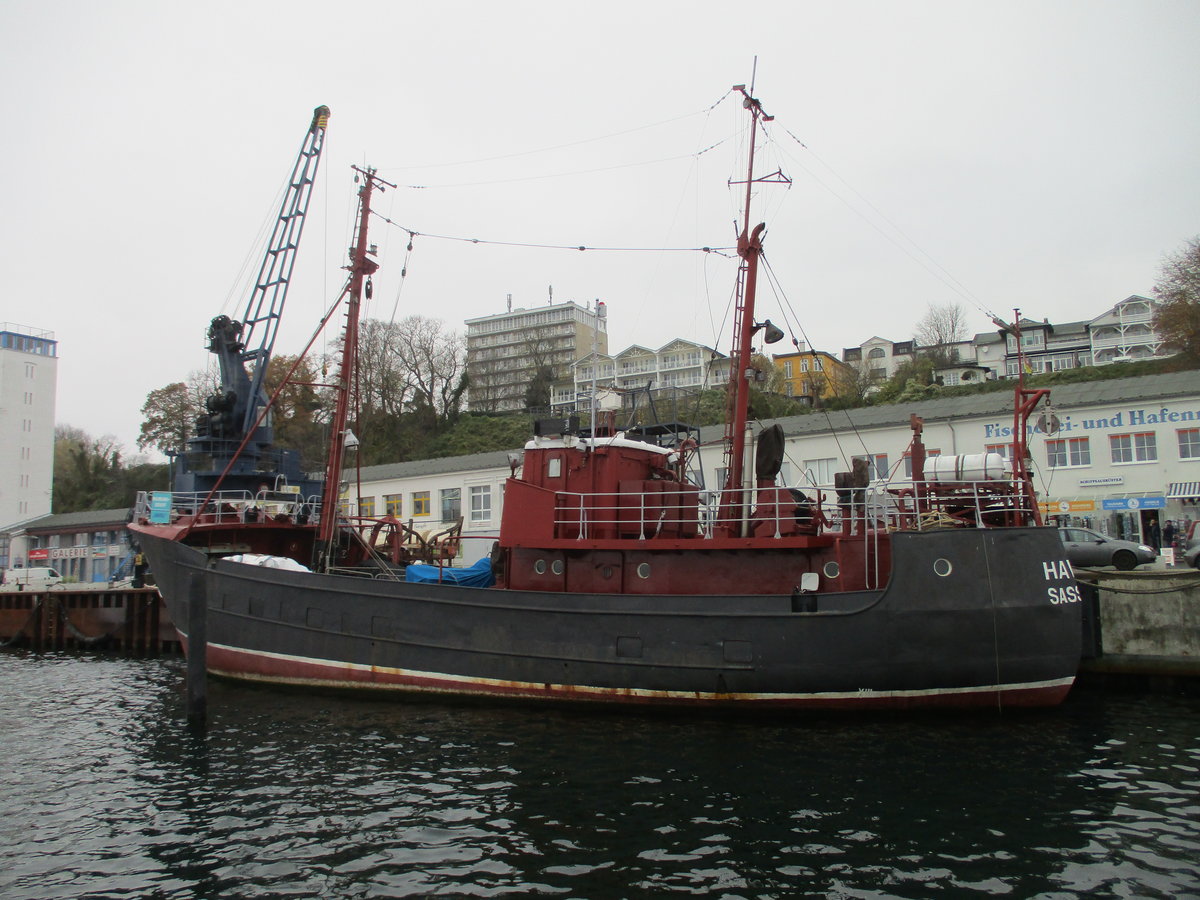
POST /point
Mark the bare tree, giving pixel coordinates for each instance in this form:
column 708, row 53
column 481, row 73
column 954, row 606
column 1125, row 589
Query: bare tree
column 433, row 360
column 1177, row 318
column 856, row 381
column 384, row 384
column 943, row 323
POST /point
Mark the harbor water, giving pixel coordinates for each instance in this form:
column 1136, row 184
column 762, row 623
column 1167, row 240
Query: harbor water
column 107, row 793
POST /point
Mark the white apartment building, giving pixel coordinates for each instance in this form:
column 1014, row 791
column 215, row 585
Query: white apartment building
column 1126, row 332
column 28, row 381
column 677, row 366
column 878, row 356
column 506, row 351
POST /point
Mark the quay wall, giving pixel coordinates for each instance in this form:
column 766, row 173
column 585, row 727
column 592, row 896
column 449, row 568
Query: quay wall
column 133, row 621
column 1149, row 624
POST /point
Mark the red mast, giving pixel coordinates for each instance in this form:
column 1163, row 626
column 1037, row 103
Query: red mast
column 360, row 268
column 1025, row 400
column 749, row 249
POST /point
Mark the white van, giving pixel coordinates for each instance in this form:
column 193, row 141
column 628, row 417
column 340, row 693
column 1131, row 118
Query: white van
column 35, row 578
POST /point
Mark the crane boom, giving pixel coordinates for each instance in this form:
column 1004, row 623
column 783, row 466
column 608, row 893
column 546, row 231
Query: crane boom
column 243, row 348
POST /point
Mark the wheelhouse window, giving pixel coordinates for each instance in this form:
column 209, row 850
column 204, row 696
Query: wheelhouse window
column 1067, row 452
column 1133, row 448
column 1189, row 443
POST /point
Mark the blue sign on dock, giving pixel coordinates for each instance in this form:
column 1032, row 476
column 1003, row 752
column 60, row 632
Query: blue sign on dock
column 1135, row 503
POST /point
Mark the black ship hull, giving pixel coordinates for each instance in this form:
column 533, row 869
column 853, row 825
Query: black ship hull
column 969, row 618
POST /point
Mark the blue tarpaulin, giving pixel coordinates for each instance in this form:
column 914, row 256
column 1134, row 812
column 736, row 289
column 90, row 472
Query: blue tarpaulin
column 478, row 575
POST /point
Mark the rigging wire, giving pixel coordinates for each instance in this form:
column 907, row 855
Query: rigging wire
column 546, row 176
column 578, row 143
column 786, row 307
column 924, row 259
column 413, row 233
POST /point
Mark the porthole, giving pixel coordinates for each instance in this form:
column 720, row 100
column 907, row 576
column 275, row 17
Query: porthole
column 540, row 567
column 942, row 567
column 557, row 567
column 832, row 570
column 643, row 570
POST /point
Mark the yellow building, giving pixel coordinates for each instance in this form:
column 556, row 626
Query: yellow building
column 812, row 374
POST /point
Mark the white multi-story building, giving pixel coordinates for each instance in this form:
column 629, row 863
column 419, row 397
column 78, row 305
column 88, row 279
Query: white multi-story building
column 28, row 378
column 879, row 357
column 677, row 366
column 1125, row 333
column 505, row 352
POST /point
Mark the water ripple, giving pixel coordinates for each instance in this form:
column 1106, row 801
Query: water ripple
column 107, row 794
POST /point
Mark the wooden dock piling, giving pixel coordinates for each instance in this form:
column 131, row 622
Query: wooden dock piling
column 197, row 651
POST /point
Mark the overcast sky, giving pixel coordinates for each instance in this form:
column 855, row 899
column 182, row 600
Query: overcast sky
column 1040, row 155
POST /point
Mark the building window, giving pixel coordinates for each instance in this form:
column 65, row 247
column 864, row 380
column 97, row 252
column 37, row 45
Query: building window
column 366, row 506
column 1189, row 443
column 877, row 465
column 451, row 504
column 1131, row 448
column 420, row 502
column 787, row 369
column 393, row 504
column 908, row 460
column 876, row 353
column 1000, row 449
column 481, row 503
column 804, row 365
column 1067, row 452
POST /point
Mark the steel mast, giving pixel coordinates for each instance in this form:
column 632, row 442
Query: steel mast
column 361, row 267
column 733, row 500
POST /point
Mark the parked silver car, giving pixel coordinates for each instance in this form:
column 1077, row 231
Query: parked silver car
column 1191, row 551
column 1090, row 548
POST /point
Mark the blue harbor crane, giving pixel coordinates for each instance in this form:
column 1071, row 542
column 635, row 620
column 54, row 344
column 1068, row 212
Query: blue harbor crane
column 234, row 441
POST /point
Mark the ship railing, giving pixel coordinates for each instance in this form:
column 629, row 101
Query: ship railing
column 881, row 507
column 670, row 512
column 223, row 507
column 893, row 505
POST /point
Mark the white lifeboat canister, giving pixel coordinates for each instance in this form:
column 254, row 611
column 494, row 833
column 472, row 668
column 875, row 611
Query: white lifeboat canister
column 966, row 467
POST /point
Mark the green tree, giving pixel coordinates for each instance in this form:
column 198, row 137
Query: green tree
column 169, row 416
column 297, row 409
column 1177, row 318
column 537, row 394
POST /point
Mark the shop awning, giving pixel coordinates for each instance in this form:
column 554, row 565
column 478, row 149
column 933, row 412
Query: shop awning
column 1183, row 490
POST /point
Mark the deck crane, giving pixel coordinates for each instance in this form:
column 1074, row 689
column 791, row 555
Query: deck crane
column 243, row 349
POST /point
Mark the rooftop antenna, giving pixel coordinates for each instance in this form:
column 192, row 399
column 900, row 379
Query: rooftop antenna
column 550, row 288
